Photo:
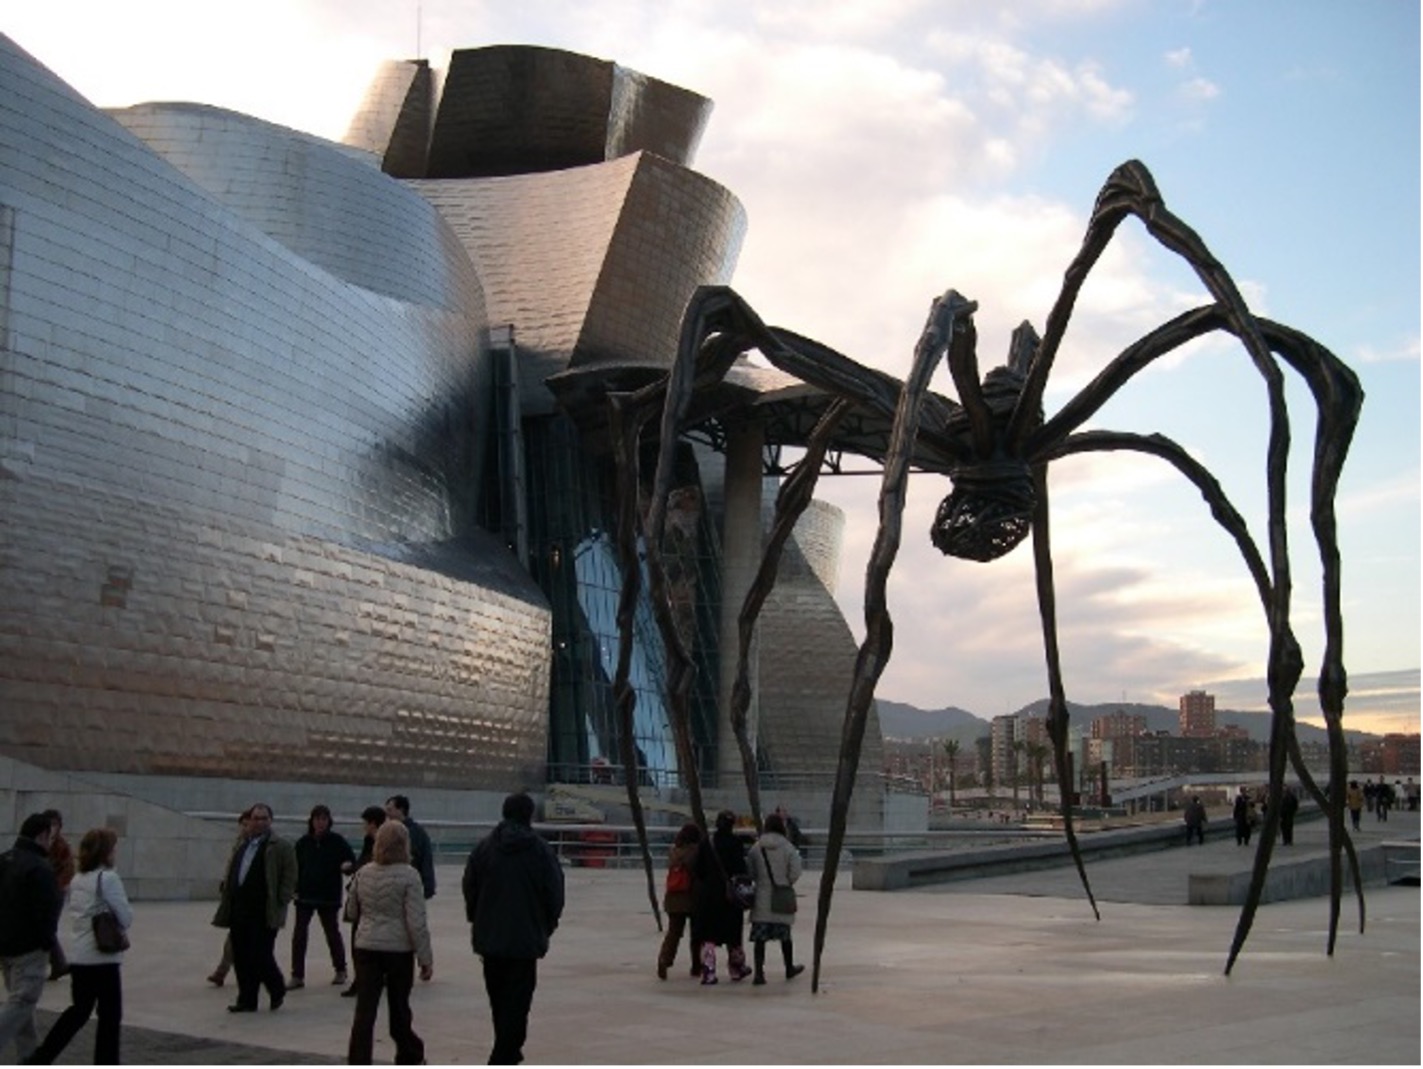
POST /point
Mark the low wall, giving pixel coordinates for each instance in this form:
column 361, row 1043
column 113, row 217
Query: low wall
column 1306, row 878
column 162, row 854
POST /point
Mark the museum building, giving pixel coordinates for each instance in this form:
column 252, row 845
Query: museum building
column 303, row 476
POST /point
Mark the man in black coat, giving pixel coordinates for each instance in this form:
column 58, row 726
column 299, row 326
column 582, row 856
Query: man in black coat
column 513, row 898
column 30, row 904
column 422, row 853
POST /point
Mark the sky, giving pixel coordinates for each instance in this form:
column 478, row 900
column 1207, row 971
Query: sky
column 888, row 151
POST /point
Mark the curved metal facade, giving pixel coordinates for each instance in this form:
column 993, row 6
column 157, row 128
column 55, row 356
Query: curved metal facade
column 236, row 470
column 251, row 383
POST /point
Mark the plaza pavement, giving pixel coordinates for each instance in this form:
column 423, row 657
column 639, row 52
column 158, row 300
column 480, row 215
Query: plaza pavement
column 1004, row 970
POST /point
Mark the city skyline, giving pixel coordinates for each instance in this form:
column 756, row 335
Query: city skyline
column 884, row 154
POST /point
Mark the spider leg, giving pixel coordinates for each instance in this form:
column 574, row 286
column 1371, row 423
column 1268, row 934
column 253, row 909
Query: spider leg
column 1057, row 702
column 626, row 429
column 1338, row 400
column 944, row 330
column 696, row 362
column 794, row 496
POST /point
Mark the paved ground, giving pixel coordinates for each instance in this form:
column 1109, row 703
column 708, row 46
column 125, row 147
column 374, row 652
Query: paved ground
column 1007, row 970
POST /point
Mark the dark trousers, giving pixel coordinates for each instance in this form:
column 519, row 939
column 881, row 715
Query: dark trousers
column 667, row 954
column 90, row 986
column 510, row 984
column 394, row 972
column 329, row 925
column 758, row 955
column 254, row 960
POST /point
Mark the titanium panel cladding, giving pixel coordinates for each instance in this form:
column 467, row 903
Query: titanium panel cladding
column 236, row 487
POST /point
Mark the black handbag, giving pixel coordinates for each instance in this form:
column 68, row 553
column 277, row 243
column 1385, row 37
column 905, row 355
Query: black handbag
column 783, row 899
column 109, row 935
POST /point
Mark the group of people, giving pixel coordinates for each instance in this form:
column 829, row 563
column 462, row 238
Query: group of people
column 513, row 893
column 41, row 884
column 701, row 898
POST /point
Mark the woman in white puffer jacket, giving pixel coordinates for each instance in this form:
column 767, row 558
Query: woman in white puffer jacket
column 93, row 974
column 387, row 904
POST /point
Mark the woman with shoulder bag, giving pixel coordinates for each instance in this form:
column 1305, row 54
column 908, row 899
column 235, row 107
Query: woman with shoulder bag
column 717, row 918
column 93, row 972
column 777, row 866
column 387, row 904
column 679, row 900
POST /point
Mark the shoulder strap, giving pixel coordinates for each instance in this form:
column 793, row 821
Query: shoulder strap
column 769, row 874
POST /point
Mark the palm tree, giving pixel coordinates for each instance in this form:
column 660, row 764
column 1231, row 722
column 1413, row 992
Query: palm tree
column 1016, row 747
column 1038, row 753
column 951, row 748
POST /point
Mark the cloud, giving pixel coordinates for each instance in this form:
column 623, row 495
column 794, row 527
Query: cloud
column 1198, row 90
column 1406, row 351
column 1179, row 58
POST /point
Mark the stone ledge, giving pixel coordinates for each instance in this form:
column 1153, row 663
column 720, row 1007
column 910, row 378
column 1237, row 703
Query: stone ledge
column 897, row 871
column 1306, row 878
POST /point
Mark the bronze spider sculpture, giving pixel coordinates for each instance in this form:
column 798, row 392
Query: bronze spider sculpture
column 995, row 446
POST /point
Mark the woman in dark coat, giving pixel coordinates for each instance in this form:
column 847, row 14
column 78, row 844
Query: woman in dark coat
column 716, row 920
column 322, row 856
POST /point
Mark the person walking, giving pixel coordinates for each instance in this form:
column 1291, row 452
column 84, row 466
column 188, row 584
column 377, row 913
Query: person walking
column 372, row 817
column 679, row 898
column 1289, row 806
column 1195, row 818
column 1240, row 813
column 322, row 856
column 30, row 905
column 422, row 852
column 1354, row 801
column 392, row 934
column 513, row 899
column 93, row 973
column 61, row 859
column 776, row 865
column 260, row 883
column 716, row 920
column 224, row 965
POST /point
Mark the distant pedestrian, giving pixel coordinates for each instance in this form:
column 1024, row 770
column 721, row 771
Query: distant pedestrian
column 1195, row 817
column 30, row 904
column 513, row 899
column 776, row 865
column 679, row 899
column 322, row 856
column 797, row 837
column 1241, row 813
column 422, row 852
column 93, row 973
column 387, row 905
column 224, row 965
column 260, row 884
column 1354, row 802
column 1289, row 806
column 1383, row 799
column 717, row 920
column 61, row 859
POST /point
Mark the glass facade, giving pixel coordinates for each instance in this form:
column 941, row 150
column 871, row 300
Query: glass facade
column 573, row 556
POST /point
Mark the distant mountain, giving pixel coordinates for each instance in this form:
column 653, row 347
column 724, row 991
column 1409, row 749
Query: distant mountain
column 901, row 721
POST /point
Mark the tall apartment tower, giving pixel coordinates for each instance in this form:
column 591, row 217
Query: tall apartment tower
column 1197, row 715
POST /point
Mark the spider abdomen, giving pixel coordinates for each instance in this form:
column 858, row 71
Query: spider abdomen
column 988, row 512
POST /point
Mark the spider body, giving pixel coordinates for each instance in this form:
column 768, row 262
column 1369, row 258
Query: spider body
column 995, row 446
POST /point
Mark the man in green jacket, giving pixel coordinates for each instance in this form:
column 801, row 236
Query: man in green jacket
column 261, row 880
